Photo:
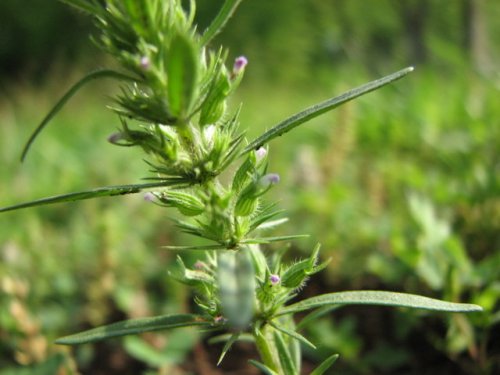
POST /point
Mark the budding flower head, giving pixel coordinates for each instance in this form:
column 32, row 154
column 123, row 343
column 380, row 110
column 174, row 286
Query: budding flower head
column 239, row 64
column 269, row 180
column 274, row 279
column 219, row 319
column 115, row 138
column 199, row 265
column 149, row 197
column 144, row 63
column 260, row 153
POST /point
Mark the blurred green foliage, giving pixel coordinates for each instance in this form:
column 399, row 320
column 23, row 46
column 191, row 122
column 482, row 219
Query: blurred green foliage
column 401, row 187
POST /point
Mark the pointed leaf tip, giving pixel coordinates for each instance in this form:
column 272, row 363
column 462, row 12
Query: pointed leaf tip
column 102, row 73
column 134, row 326
column 323, row 107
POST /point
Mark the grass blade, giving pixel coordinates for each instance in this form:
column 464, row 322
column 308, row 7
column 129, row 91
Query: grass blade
column 134, row 326
column 318, row 109
column 229, row 343
column 88, row 194
column 102, row 73
column 374, row 297
column 284, row 355
column 295, row 335
column 262, row 367
column 325, row 365
column 220, row 20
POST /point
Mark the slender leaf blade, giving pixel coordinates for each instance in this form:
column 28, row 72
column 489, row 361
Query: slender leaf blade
column 262, row 367
column 229, row 343
column 134, row 326
column 318, row 109
column 195, row 248
column 263, row 240
column 88, row 194
column 102, row 73
column 182, row 70
column 383, row 298
column 325, row 365
column 284, row 355
column 294, row 334
column 220, row 20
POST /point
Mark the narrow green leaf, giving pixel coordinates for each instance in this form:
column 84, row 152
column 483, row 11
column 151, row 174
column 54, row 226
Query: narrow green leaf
column 284, row 355
column 88, row 194
column 293, row 334
column 273, row 239
column 325, row 365
column 84, row 5
column 201, row 247
column 318, row 109
column 262, row 367
column 182, row 71
column 314, row 315
column 373, row 297
column 103, row 73
column 243, row 337
column 229, row 343
column 134, row 326
column 220, row 20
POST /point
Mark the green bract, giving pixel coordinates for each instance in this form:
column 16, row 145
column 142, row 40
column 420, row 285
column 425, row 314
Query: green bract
column 173, row 105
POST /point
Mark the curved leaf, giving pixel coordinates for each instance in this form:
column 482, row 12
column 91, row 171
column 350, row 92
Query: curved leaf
column 103, row 73
column 284, row 355
column 182, row 72
column 294, row 334
column 318, row 109
column 220, row 20
column 325, row 365
column 94, row 193
column 262, row 367
column 374, row 297
column 134, row 326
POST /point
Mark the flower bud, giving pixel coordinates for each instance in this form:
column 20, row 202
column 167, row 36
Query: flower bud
column 239, row 65
column 187, row 204
column 115, row 138
column 149, row 197
column 145, row 63
column 260, row 154
column 274, row 279
column 268, row 180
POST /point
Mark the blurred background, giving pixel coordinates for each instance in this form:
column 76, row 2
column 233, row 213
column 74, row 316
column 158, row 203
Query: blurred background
column 401, row 187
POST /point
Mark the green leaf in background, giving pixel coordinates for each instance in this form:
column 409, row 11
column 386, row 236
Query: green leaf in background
column 229, row 343
column 294, row 334
column 318, row 109
column 373, row 297
column 182, row 72
column 94, row 193
column 220, row 20
column 262, row 367
column 103, row 73
column 135, row 326
column 325, row 365
column 284, row 355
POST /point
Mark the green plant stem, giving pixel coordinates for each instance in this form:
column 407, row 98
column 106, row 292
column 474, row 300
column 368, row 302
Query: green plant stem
column 266, row 346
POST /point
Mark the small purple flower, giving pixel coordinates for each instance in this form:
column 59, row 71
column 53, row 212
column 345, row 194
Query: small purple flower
column 149, row 197
column 199, row 265
column 144, row 63
column 219, row 319
column 274, row 279
column 239, row 65
column 115, row 137
column 260, row 153
column 269, row 180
